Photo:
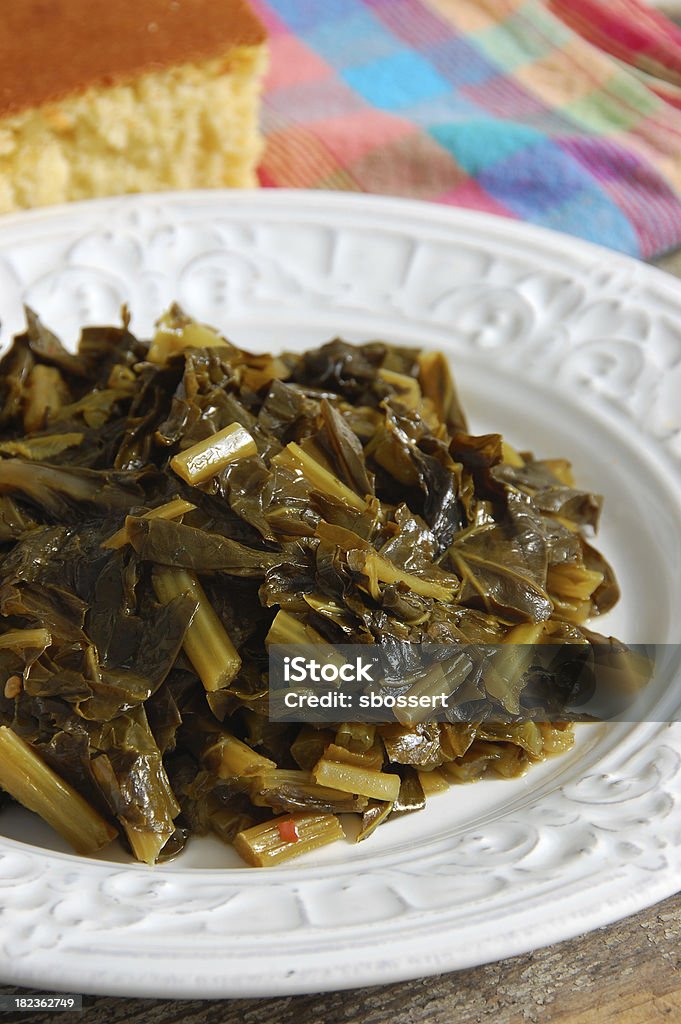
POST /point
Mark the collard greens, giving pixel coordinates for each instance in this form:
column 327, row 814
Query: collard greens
column 148, row 563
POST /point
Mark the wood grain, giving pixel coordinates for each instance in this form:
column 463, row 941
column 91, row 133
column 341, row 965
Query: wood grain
column 627, row 973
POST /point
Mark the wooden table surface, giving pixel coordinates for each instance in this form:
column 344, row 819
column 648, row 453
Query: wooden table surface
column 627, row 973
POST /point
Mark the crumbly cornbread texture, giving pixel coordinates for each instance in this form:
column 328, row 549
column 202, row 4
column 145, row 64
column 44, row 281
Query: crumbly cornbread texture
column 127, row 97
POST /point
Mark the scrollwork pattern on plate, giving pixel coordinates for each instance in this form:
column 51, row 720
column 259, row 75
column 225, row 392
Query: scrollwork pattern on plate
column 610, row 331
column 596, row 328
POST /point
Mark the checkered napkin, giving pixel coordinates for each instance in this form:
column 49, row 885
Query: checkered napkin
column 508, row 106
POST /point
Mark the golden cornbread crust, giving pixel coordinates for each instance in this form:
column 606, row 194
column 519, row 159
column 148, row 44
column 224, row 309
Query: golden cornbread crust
column 51, row 49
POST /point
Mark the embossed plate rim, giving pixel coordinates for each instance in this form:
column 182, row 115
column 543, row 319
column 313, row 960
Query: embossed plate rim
column 109, row 927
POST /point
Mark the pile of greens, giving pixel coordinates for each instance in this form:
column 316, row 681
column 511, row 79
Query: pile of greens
column 169, row 509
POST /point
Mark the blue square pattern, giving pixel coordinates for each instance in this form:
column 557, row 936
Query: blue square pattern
column 358, row 38
column 483, row 142
column 535, row 179
column 394, row 83
column 460, row 62
column 592, row 215
column 303, row 15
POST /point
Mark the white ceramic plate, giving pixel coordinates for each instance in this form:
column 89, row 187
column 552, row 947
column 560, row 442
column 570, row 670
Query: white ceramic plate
column 566, row 348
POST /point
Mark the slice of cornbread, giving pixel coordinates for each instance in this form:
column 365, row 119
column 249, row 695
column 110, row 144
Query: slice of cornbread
column 99, row 97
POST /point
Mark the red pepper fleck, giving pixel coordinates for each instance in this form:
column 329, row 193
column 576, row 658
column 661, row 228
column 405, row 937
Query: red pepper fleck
column 288, row 833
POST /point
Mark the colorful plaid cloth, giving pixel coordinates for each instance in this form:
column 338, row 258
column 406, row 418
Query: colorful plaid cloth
column 494, row 105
